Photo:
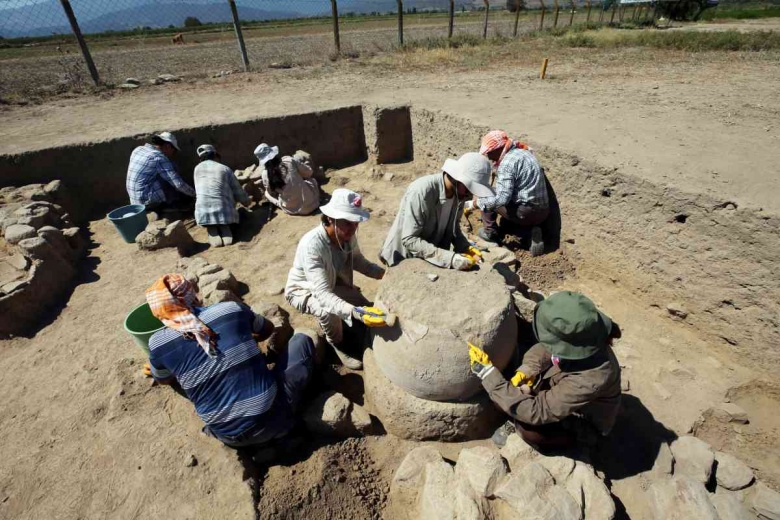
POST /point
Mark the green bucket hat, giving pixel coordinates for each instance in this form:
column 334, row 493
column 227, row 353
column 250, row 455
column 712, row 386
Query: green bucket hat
column 571, row 326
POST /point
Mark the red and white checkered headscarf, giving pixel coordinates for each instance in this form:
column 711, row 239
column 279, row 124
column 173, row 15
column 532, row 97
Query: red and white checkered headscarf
column 171, row 299
column 498, row 139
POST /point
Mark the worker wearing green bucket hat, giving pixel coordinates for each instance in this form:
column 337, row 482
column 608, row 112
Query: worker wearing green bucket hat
column 568, row 386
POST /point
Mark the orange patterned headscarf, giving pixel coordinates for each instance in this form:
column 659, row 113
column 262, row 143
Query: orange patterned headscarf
column 498, row 139
column 171, row 299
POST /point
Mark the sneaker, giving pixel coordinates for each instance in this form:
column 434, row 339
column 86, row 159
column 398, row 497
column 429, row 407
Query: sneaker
column 537, row 242
column 502, row 433
column 347, row 360
column 488, row 235
column 214, row 238
column 226, row 234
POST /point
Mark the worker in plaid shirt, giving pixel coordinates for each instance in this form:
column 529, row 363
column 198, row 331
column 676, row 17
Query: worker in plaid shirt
column 521, row 190
column 152, row 179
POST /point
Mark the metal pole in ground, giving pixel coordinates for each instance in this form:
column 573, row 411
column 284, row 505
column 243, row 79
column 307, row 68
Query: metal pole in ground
column 487, row 14
column 601, row 12
column 401, row 23
column 557, row 10
column 239, row 35
column 587, row 20
column 452, row 19
column 571, row 17
column 614, row 8
column 74, row 24
column 541, row 19
column 517, row 17
column 655, row 11
column 335, row 10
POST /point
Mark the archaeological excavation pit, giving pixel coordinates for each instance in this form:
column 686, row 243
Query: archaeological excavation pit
column 620, row 240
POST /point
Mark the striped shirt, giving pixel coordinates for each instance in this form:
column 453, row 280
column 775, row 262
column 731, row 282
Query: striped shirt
column 520, row 181
column 218, row 191
column 229, row 391
column 148, row 169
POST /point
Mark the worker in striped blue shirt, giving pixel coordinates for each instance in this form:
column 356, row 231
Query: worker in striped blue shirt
column 212, row 353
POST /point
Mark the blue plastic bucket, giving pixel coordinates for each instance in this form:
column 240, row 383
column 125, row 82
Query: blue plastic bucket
column 129, row 221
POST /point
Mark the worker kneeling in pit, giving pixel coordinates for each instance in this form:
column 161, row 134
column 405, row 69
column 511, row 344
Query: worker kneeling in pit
column 320, row 282
column 567, row 389
column 212, row 353
column 428, row 220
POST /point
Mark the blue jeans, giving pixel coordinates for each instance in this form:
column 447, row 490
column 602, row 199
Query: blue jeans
column 293, row 371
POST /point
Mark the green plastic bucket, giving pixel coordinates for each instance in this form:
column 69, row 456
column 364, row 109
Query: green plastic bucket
column 129, row 221
column 141, row 324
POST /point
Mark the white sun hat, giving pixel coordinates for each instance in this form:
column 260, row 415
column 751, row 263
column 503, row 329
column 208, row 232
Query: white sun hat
column 345, row 204
column 169, row 138
column 265, row 153
column 473, row 170
column 206, row 149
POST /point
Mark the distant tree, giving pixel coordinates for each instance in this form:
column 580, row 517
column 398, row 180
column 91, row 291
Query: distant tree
column 191, row 21
column 171, row 26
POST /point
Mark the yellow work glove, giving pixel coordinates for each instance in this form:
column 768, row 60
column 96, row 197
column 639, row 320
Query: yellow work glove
column 463, row 262
column 370, row 316
column 474, row 253
column 480, row 362
column 521, row 379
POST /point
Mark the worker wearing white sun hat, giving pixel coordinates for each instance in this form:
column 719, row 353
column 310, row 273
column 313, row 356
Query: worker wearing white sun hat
column 320, row 281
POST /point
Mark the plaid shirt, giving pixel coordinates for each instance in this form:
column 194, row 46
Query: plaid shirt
column 147, row 171
column 519, row 181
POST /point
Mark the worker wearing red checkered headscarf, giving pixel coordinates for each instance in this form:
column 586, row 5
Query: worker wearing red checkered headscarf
column 498, row 139
column 520, row 190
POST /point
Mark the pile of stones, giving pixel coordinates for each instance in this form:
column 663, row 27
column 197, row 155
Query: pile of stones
column 215, row 283
column 39, row 253
column 161, row 233
column 417, row 376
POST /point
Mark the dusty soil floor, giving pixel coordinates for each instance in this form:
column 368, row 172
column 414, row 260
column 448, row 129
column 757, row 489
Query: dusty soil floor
column 84, row 434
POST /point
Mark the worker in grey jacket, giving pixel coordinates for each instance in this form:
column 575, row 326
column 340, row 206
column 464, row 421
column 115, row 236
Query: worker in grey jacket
column 428, row 222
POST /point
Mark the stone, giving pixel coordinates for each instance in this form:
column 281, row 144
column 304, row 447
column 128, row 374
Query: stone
column 731, row 473
column 499, row 254
column 693, row 458
column 664, row 462
column 445, row 496
column 54, row 187
column 18, row 232
column 203, row 270
column 511, row 278
column 127, row 86
column 18, row 262
column 168, row 78
column 393, row 142
column 280, row 319
column 532, row 490
column 482, row 467
column 190, row 461
column 426, row 354
column 14, row 286
column 410, row 417
column 433, row 277
column 221, row 280
column 517, row 452
column 559, row 467
column 409, row 473
column 155, row 236
column 676, row 310
column 220, row 296
column 133, row 81
column 681, row 498
column 57, row 239
column 590, row 493
column 732, row 413
column 765, row 502
column 729, row 506
column 525, row 307
column 332, row 414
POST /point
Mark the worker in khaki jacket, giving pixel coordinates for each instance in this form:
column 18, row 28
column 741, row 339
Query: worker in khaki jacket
column 428, row 222
column 568, row 386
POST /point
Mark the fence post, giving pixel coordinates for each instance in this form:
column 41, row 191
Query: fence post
column 541, row 20
column 239, row 35
column 74, row 24
column 587, row 20
column 487, row 13
column 601, row 12
column 655, row 11
column 335, row 10
column 557, row 10
column 452, row 19
column 401, row 23
column 517, row 17
column 614, row 8
column 571, row 17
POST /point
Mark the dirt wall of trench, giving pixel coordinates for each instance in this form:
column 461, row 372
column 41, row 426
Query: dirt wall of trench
column 95, row 172
column 715, row 259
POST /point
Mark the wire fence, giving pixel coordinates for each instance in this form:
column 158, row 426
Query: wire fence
column 50, row 46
